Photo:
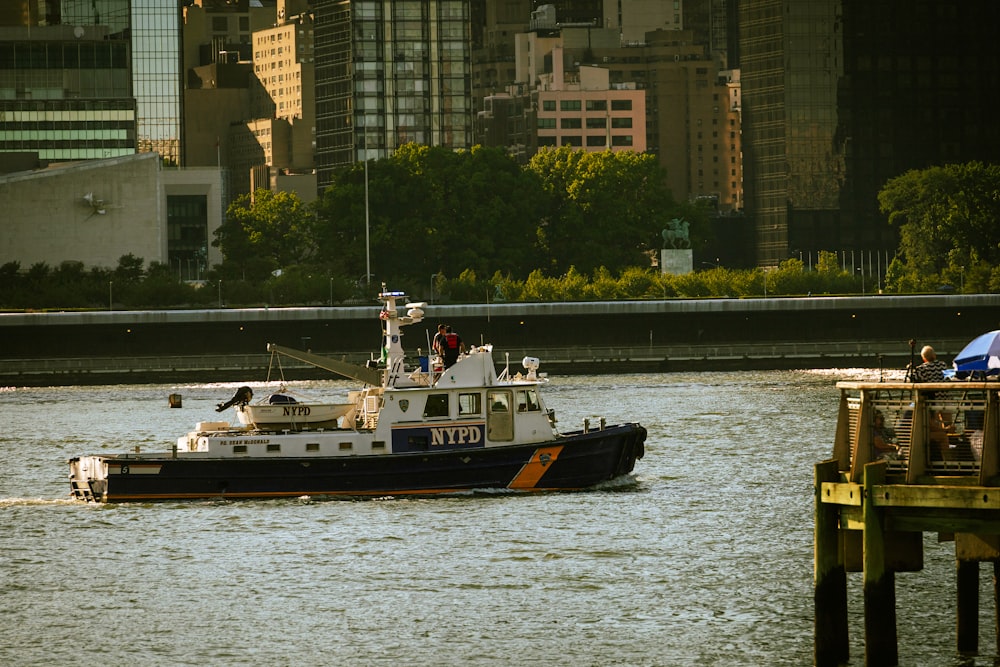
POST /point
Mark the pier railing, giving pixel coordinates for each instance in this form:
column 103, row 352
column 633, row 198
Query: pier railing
column 944, row 429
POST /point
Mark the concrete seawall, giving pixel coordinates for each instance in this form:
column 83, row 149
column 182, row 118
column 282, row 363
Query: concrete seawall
column 642, row 336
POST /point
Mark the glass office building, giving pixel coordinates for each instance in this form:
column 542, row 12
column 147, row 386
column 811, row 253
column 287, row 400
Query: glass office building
column 89, row 79
column 839, row 96
column 388, row 74
column 156, row 76
column 65, row 80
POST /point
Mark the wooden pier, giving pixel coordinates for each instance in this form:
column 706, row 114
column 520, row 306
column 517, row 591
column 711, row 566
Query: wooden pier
column 872, row 508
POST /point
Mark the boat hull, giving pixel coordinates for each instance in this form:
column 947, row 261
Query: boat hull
column 577, row 460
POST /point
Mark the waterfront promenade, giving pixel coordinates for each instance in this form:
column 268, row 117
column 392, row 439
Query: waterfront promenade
column 557, row 361
column 637, row 336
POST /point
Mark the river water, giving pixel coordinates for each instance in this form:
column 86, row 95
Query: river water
column 703, row 557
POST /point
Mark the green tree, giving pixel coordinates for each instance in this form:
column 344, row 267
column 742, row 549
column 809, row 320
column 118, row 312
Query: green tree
column 441, row 211
column 605, row 209
column 946, row 216
column 264, row 232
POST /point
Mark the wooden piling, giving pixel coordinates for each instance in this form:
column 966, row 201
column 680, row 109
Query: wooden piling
column 967, row 606
column 829, row 578
column 879, row 585
column 996, row 603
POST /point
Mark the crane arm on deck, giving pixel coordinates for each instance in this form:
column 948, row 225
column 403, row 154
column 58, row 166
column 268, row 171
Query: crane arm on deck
column 353, row 371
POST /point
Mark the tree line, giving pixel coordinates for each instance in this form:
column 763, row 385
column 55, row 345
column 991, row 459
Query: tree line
column 474, row 226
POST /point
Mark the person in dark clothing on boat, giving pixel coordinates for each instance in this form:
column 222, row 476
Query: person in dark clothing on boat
column 932, row 370
column 437, row 345
column 453, row 346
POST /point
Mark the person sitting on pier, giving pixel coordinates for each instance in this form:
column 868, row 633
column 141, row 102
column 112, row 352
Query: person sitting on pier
column 883, row 438
column 940, row 427
column 932, row 370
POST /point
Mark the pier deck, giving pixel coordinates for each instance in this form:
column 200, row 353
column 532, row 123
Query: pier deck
column 872, row 507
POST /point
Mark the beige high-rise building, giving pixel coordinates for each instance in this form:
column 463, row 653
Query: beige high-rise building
column 249, row 99
column 283, row 62
column 581, row 109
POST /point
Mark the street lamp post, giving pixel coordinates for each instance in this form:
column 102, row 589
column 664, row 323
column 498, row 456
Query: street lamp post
column 111, row 296
column 331, row 291
column 368, row 257
column 862, row 272
column 220, row 292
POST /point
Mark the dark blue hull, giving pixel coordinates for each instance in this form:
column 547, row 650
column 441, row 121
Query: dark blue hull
column 574, row 461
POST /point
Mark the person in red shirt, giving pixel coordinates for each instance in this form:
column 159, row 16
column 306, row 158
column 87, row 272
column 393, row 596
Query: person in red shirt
column 453, row 346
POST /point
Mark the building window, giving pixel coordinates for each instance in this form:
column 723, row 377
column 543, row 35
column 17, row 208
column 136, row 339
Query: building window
column 571, row 123
column 572, row 141
column 621, row 105
column 569, row 105
column 622, row 140
column 547, row 123
column 597, row 140
column 546, row 141
column 548, row 105
column 621, row 122
column 597, row 123
column 597, row 105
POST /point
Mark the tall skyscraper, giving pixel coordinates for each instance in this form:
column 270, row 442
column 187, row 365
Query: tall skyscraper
column 388, row 74
column 156, row 75
column 839, row 96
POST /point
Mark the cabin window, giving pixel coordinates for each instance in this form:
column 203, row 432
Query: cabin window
column 499, row 401
column 500, row 420
column 470, row 404
column 345, row 447
column 436, row 406
column 527, row 401
column 239, row 449
column 274, row 448
column 312, row 446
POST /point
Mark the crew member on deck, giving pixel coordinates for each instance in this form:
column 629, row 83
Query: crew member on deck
column 437, row 345
column 453, row 346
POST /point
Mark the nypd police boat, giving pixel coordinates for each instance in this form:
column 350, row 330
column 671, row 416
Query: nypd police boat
column 417, row 429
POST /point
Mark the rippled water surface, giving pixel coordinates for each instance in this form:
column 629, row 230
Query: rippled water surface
column 704, row 557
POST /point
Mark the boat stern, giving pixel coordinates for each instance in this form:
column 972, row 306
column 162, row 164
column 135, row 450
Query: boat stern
column 88, row 478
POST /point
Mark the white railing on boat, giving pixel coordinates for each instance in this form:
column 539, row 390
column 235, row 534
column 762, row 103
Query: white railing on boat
column 941, row 429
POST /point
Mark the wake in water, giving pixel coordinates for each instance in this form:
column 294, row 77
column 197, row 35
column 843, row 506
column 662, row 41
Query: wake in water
column 34, row 502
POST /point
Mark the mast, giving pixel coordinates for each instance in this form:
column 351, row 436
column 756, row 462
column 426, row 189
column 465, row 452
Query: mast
column 394, row 321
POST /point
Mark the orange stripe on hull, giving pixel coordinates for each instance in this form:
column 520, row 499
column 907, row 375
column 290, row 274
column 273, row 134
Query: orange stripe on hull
column 122, row 498
column 536, row 466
